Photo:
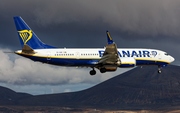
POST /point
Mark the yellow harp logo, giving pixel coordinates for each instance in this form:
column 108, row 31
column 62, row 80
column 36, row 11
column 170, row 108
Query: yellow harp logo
column 25, row 35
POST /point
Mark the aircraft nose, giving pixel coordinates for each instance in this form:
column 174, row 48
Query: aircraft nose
column 171, row 59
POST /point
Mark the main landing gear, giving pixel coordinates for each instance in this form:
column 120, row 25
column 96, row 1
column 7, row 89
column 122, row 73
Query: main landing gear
column 103, row 70
column 159, row 69
column 92, row 72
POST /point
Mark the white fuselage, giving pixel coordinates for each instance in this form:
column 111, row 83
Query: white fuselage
column 89, row 57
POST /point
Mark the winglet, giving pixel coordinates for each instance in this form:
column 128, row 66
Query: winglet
column 110, row 41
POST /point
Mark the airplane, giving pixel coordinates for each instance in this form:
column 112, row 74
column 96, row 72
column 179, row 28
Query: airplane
column 106, row 59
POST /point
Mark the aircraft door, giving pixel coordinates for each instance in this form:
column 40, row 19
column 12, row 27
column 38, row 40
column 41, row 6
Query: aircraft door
column 48, row 55
column 77, row 55
column 159, row 56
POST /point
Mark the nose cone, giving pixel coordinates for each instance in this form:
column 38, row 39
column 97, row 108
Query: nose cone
column 171, row 59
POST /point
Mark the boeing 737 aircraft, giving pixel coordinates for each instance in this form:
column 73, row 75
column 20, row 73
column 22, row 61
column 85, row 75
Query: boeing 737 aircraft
column 106, row 59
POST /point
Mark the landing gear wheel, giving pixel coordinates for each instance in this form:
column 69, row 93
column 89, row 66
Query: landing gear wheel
column 92, row 72
column 103, row 70
column 159, row 69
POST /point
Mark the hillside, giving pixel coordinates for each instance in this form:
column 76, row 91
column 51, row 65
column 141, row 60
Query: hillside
column 10, row 97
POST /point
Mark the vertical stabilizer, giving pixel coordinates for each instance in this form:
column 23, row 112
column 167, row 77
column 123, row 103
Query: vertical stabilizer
column 27, row 36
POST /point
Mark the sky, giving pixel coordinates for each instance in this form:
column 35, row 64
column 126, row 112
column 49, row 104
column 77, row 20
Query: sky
column 82, row 24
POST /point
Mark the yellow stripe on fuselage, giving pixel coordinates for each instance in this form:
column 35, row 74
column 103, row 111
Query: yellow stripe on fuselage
column 127, row 63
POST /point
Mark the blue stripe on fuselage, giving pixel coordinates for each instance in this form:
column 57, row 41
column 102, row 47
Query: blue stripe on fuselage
column 150, row 62
column 85, row 62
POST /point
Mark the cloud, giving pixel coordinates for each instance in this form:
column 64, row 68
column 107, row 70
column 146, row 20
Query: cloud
column 22, row 71
column 145, row 17
column 67, row 90
column 137, row 16
column 80, row 21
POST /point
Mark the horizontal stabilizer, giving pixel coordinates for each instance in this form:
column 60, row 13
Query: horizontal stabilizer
column 27, row 49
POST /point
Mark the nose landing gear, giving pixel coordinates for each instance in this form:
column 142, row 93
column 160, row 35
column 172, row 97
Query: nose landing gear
column 159, row 69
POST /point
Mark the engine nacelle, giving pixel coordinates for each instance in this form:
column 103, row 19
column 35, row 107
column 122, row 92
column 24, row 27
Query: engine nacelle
column 127, row 62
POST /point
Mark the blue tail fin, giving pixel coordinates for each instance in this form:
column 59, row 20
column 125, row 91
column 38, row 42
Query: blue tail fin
column 27, row 36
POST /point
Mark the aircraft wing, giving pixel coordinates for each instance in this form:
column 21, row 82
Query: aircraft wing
column 110, row 56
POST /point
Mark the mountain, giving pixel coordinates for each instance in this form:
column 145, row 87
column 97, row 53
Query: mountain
column 10, row 97
column 139, row 88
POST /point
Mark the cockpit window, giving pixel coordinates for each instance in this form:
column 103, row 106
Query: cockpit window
column 166, row 54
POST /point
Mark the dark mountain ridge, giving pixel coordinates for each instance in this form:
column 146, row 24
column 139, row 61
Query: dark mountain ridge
column 139, row 88
column 10, row 97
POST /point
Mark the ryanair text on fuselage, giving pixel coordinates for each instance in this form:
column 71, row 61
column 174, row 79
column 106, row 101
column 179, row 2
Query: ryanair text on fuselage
column 132, row 53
